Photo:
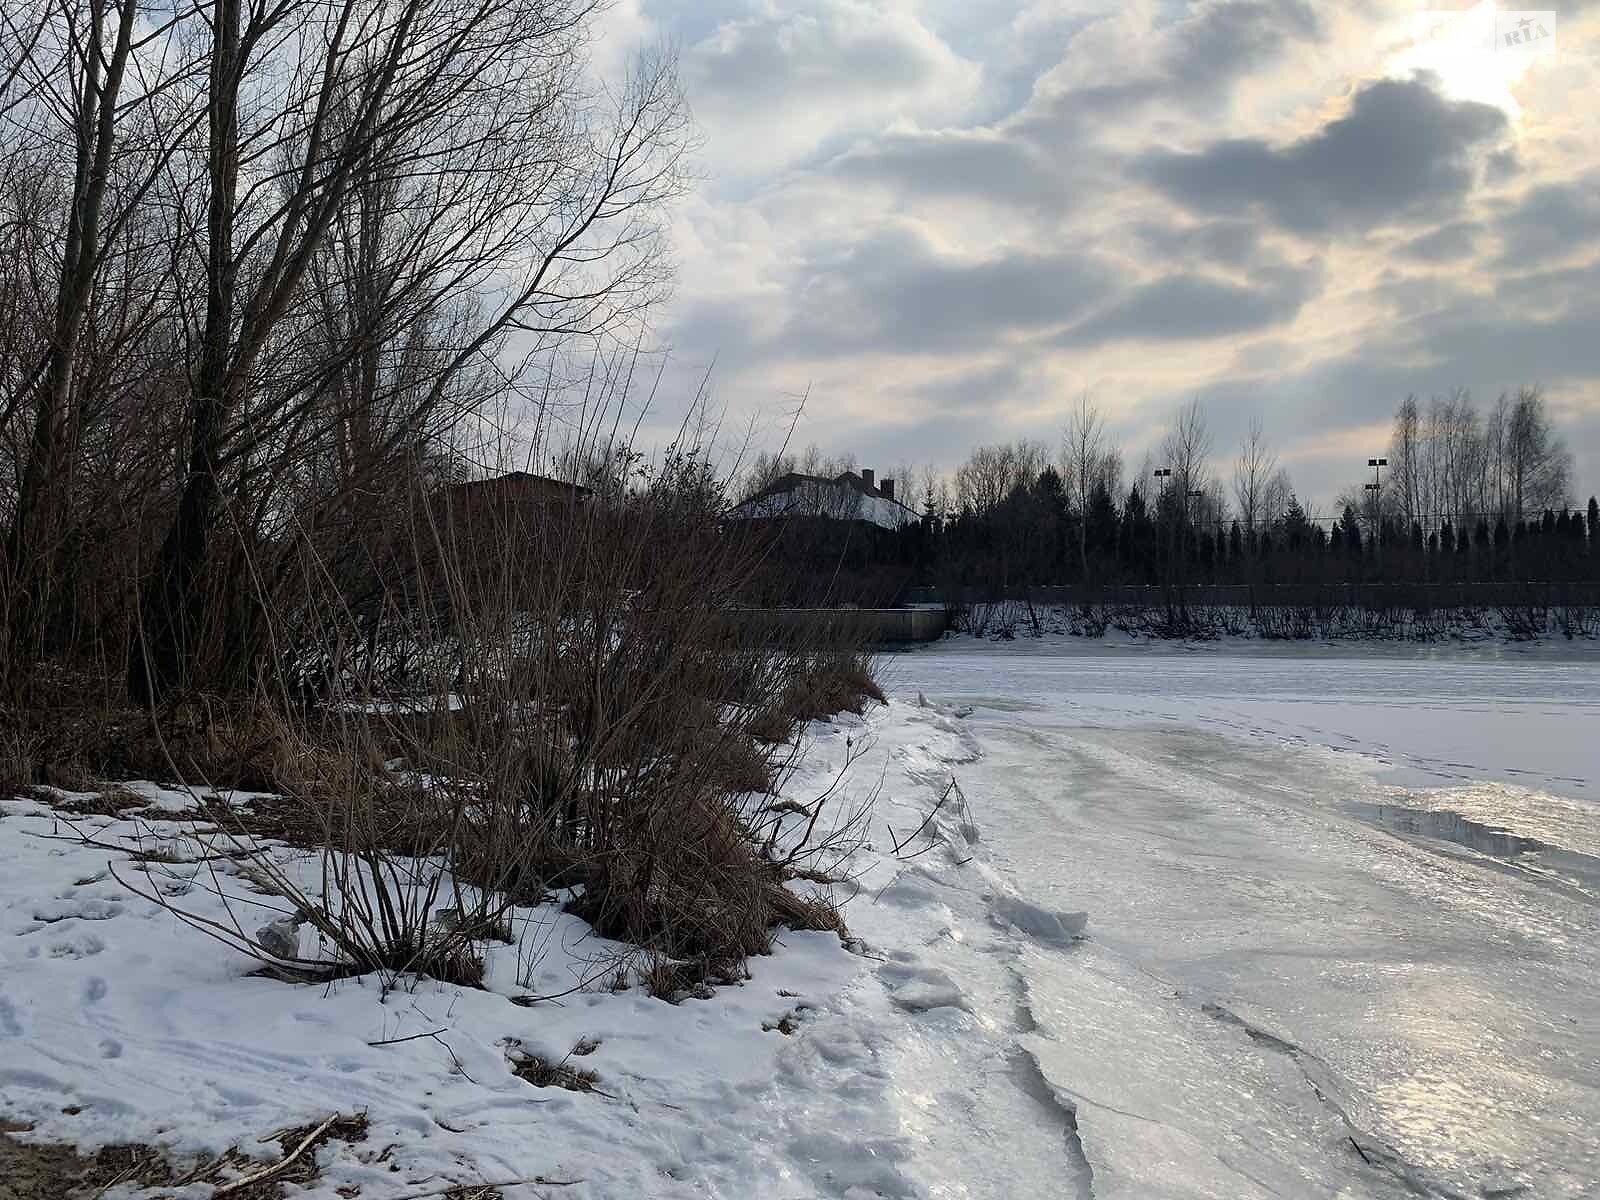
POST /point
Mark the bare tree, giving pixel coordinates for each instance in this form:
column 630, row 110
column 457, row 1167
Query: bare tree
column 993, row 472
column 1459, row 454
column 1538, row 465
column 104, row 83
column 1187, row 449
column 1083, row 454
column 1253, row 470
column 441, row 177
column 1407, row 466
column 1277, row 496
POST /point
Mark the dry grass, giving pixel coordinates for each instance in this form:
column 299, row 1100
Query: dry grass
column 743, row 766
column 543, row 1073
column 833, row 682
column 49, row 1171
column 770, row 726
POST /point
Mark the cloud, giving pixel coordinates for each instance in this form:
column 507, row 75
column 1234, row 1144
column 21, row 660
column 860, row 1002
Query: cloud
column 1403, row 154
column 1553, row 220
column 980, row 164
column 1231, row 243
column 1186, row 306
column 1126, row 62
column 1473, row 341
column 947, row 220
column 896, row 292
column 1459, row 239
column 774, row 84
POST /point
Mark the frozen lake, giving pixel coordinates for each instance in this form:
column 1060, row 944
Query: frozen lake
column 1344, row 908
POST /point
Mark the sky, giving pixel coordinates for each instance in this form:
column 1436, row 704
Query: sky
column 941, row 222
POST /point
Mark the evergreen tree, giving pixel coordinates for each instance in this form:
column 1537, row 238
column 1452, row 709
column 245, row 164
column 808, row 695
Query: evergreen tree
column 1296, row 525
column 1352, row 531
column 1136, row 537
column 1101, row 522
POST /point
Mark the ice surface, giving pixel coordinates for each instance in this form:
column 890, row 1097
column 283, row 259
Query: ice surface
column 1286, row 988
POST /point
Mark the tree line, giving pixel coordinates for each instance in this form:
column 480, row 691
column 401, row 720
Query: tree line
column 1463, row 496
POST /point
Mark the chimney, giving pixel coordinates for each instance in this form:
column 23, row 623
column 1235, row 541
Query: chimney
column 866, row 477
column 887, row 488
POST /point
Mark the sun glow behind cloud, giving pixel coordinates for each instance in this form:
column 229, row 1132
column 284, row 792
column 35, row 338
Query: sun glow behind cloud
column 1477, row 53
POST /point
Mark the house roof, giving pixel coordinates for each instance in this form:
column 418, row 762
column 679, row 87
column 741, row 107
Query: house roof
column 845, row 497
column 517, row 485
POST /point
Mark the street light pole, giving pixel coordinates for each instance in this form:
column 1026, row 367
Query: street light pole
column 1164, row 474
column 1375, row 487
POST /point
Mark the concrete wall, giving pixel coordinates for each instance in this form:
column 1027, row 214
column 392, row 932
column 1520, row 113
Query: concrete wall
column 868, row 626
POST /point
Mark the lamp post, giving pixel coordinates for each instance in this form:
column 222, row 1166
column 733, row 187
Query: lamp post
column 1375, row 487
column 1163, row 474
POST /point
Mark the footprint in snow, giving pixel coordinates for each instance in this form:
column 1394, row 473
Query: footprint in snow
column 66, row 910
column 84, row 945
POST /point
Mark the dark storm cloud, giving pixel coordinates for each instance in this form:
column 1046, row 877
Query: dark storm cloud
column 1403, row 153
column 897, row 293
column 1189, row 306
column 1553, row 220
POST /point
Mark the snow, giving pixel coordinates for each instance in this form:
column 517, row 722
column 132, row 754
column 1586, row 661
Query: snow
column 1210, row 922
column 832, row 499
column 118, row 1023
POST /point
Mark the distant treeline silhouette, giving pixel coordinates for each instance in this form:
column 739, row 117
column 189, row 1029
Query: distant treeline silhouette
column 1457, row 498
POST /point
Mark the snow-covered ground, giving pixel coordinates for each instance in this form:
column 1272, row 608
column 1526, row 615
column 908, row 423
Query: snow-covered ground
column 1342, row 940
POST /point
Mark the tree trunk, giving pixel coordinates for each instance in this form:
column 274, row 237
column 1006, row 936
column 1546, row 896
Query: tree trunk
column 33, row 540
column 171, row 619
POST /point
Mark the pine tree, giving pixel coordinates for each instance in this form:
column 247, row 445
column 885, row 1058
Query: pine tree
column 1352, row 531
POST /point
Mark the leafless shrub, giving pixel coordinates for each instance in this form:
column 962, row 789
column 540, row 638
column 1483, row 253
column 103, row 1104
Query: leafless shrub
column 573, row 712
column 830, row 682
column 771, row 726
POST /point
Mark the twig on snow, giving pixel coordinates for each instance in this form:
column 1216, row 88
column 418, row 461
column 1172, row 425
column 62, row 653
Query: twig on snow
column 535, row 1181
column 277, row 1168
